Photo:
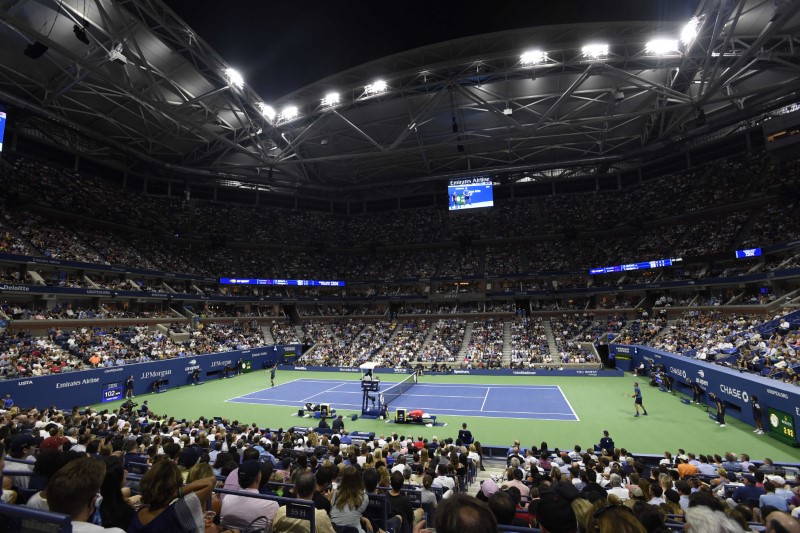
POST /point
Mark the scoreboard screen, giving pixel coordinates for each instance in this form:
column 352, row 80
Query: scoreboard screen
column 111, row 392
column 781, row 426
column 469, row 193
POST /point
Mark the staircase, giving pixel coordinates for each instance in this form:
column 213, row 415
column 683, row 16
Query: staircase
column 267, row 333
column 507, row 343
column 551, row 339
column 467, row 339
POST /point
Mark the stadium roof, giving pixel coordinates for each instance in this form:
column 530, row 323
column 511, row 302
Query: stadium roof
column 147, row 92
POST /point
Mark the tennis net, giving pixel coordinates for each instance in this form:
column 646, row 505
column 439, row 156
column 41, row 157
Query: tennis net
column 395, row 391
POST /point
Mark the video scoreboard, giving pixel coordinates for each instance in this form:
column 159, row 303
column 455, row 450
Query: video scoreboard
column 781, row 426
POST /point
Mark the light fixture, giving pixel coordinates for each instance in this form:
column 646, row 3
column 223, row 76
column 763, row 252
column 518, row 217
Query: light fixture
column 376, row 87
column 35, row 50
column 330, row 100
column 595, row 51
column 532, row 57
column 234, row 78
column 116, row 54
column 661, row 47
column 507, row 110
column 289, row 112
column 267, row 112
column 80, row 33
column 689, row 31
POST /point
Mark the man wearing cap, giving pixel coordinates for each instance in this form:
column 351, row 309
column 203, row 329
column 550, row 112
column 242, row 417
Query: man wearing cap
column 747, row 492
column 243, row 512
column 22, row 448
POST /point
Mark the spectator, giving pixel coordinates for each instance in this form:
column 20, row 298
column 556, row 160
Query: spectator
column 242, row 512
column 73, row 491
column 168, row 506
column 304, row 487
column 350, row 500
column 465, row 514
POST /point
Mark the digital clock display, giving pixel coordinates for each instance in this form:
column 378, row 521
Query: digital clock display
column 781, row 426
column 111, row 392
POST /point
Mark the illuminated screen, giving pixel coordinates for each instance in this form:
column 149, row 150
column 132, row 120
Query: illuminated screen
column 469, row 193
column 781, row 426
column 2, row 127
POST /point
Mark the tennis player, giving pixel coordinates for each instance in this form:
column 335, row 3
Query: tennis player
column 272, row 374
column 637, row 399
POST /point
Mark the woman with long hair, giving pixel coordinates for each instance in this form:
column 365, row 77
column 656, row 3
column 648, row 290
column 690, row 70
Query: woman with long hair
column 115, row 510
column 204, row 471
column 349, row 501
column 168, row 506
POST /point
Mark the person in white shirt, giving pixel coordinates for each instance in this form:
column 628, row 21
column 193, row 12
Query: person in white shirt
column 617, row 489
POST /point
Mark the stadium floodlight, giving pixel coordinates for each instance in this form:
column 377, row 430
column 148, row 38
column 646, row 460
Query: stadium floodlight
column 689, row 31
column 330, row 100
column 234, row 78
column 376, row 87
column 289, row 112
column 661, row 47
column 267, row 111
column 532, row 57
column 595, row 51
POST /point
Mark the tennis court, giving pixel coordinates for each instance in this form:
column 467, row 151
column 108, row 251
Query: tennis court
column 528, row 402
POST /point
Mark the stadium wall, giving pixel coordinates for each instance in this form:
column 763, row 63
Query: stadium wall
column 734, row 387
column 593, row 372
column 89, row 387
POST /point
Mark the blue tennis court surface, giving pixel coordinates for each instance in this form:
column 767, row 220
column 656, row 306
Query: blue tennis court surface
column 531, row 402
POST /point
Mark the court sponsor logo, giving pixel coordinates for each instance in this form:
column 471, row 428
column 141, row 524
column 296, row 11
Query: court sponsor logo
column 678, row 372
column 701, row 373
column 778, row 393
column 587, row 372
column 25, row 382
column 348, row 369
column 98, row 292
column 461, row 371
column 259, row 354
column 16, row 288
column 155, row 374
column 736, row 393
column 702, row 382
column 221, row 363
column 86, row 381
column 623, row 349
column 300, row 368
column 400, row 371
column 524, row 372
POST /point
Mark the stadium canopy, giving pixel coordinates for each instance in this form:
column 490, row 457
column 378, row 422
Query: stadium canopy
column 147, row 93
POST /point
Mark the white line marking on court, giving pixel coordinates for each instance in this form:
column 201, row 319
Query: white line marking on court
column 303, row 401
column 485, row 397
column 262, row 390
column 569, row 404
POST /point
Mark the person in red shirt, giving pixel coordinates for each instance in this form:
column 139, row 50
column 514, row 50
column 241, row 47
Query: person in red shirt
column 55, row 442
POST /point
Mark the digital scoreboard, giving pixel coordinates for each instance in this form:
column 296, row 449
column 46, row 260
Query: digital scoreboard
column 469, row 193
column 112, row 391
column 644, row 265
column 781, row 426
column 281, row 282
column 748, row 253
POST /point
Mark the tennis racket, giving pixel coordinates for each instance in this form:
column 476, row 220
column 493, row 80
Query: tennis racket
column 627, row 395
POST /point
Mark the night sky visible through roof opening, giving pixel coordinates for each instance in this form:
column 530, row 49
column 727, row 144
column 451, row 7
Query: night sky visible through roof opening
column 281, row 46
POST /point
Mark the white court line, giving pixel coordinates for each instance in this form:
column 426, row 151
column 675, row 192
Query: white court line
column 456, row 411
column 485, row 397
column 484, row 386
column 262, row 390
column 569, row 404
column 303, row 401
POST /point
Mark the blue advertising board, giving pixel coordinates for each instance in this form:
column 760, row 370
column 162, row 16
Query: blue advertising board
column 734, row 387
column 90, row 387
